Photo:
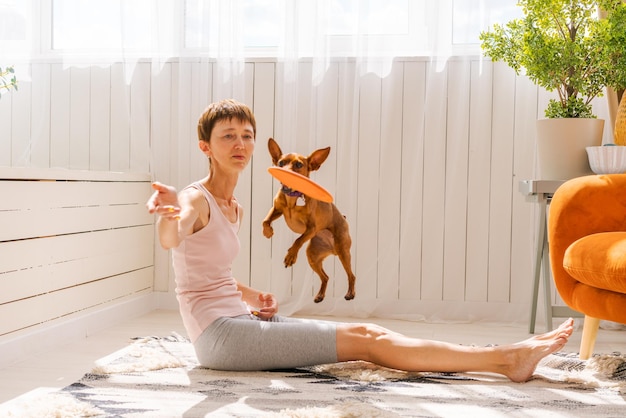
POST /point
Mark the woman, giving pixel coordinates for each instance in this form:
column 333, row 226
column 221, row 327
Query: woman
column 235, row 327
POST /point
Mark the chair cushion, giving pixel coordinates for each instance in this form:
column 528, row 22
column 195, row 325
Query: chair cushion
column 599, row 260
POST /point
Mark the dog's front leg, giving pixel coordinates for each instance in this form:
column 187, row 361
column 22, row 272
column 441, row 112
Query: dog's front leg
column 292, row 252
column 273, row 214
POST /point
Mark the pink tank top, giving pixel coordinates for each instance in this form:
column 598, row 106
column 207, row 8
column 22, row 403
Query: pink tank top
column 205, row 287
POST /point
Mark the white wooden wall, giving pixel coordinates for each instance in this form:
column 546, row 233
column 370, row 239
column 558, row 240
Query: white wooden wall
column 70, row 241
column 425, row 164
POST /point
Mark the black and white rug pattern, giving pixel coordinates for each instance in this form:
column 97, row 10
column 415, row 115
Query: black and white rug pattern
column 160, row 377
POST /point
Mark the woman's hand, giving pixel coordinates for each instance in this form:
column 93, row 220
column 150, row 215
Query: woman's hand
column 164, row 201
column 269, row 306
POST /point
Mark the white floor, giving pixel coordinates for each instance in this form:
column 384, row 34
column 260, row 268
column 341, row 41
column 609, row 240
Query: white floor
column 66, row 364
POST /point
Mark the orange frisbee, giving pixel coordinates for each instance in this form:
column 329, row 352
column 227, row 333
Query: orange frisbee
column 300, row 183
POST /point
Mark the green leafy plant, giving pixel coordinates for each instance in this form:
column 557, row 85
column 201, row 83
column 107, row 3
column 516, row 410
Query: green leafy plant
column 563, row 46
column 8, row 80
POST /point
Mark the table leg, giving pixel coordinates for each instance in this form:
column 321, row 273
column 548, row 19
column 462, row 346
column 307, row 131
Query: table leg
column 539, row 246
column 547, row 281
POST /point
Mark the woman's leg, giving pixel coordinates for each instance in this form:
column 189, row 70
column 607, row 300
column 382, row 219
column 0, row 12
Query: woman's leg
column 386, row 348
column 248, row 343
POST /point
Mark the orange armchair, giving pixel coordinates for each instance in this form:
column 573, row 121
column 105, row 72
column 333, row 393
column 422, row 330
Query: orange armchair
column 587, row 239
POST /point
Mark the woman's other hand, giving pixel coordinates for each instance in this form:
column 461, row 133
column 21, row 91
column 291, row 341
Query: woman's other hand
column 269, row 306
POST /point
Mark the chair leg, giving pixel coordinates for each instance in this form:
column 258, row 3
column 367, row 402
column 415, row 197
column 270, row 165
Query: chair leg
column 588, row 341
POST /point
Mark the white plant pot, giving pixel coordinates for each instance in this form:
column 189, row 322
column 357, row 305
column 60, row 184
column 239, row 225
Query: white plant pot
column 562, row 144
column 607, row 159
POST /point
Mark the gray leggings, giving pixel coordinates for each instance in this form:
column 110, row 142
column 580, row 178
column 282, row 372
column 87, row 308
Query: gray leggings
column 249, row 343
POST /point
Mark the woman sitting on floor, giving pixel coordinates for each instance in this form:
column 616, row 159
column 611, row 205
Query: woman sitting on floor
column 235, row 327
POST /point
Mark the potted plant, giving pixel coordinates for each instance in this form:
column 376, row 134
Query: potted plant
column 563, row 46
column 8, row 80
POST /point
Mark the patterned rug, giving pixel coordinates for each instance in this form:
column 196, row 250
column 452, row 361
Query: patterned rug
column 160, row 377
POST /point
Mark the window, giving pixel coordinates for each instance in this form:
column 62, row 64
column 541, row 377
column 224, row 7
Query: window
column 376, row 17
column 271, row 24
column 101, row 25
column 15, row 27
column 261, row 23
column 470, row 17
column 269, row 28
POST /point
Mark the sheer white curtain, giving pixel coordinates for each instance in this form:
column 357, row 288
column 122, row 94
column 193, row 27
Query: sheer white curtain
column 390, row 85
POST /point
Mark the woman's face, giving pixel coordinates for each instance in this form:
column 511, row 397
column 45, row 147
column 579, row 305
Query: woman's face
column 231, row 144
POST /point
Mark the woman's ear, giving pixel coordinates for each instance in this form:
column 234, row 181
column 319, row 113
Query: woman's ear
column 204, row 147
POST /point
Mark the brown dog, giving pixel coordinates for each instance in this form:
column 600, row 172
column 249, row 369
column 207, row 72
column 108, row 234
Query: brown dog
column 319, row 222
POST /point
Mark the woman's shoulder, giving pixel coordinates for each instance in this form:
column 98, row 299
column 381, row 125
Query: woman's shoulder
column 192, row 192
column 195, row 196
column 197, row 201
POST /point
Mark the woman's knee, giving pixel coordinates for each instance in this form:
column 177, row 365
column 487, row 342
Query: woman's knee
column 356, row 341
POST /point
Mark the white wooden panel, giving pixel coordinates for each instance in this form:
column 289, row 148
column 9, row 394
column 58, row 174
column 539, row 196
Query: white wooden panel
column 284, row 133
column 478, row 182
column 100, row 119
column 241, row 268
column 366, row 226
column 79, row 117
column 600, row 106
column 162, row 136
column 28, row 195
column 63, row 174
column 434, row 184
column 55, row 221
column 43, row 208
column 186, row 136
column 21, row 115
column 288, row 283
column 543, row 98
column 229, row 80
column 43, row 308
column 38, row 253
column 174, row 155
column 325, row 127
column 457, row 150
column 53, row 263
column 162, row 157
column 263, row 107
column 120, row 119
column 500, row 200
column 71, row 245
column 40, row 115
column 412, row 180
column 140, row 118
column 300, row 139
column 200, row 98
column 59, row 116
column 346, row 192
column 522, row 211
column 390, row 181
column 5, row 129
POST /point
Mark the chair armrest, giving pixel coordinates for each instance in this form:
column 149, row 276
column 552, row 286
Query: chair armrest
column 583, row 206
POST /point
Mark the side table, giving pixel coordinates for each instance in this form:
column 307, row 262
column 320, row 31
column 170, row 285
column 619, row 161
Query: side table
column 541, row 192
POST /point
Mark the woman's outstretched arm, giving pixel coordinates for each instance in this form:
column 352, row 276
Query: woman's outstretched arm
column 177, row 213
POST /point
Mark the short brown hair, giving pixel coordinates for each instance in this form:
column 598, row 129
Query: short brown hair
column 225, row 109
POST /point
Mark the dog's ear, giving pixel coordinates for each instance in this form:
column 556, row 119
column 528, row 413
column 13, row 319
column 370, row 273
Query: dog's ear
column 317, row 158
column 275, row 151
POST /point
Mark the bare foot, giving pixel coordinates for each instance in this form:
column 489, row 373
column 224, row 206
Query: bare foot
column 524, row 356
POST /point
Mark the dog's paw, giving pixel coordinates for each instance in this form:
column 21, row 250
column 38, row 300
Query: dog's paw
column 268, row 231
column 290, row 258
column 349, row 296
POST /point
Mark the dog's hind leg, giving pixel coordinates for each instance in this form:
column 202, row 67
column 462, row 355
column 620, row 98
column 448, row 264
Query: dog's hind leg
column 318, row 249
column 342, row 249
